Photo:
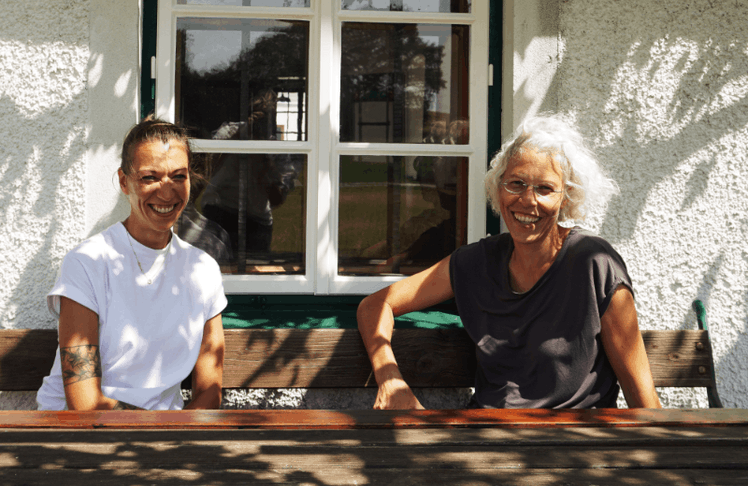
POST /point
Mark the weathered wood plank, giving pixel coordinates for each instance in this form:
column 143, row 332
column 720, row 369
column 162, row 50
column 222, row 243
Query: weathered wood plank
column 390, row 476
column 427, row 358
column 679, row 358
column 660, row 436
column 335, row 358
column 709, row 455
column 26, row 356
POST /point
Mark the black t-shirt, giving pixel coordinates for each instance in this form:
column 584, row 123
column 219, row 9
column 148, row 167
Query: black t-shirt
column 540, row 348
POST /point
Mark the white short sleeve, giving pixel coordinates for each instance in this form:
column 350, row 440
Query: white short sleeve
column 75, row 283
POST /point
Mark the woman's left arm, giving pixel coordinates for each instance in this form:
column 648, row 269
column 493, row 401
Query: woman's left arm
column 207, row 377
column 624, row 347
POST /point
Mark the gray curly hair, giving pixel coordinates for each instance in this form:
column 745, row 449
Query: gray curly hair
column 585, row 184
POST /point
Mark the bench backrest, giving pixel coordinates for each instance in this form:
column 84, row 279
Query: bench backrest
column 336, row 358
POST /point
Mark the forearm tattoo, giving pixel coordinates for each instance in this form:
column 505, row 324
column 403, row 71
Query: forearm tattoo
column 80, row 363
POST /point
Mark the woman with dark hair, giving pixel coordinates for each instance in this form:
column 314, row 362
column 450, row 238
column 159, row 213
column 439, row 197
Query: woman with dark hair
column 549, row 305
column 138, row 308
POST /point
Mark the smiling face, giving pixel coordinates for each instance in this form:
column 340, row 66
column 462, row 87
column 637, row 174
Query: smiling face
column 158, row 189
column 529, row 218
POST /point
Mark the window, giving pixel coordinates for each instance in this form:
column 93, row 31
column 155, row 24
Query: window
column 343, row 141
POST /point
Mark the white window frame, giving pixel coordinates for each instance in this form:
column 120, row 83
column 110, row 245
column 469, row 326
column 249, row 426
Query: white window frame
column 322, row 148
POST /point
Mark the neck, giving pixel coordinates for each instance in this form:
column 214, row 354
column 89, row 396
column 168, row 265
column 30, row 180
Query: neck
column 156, row 240
column 540, row 253
column 529, row 261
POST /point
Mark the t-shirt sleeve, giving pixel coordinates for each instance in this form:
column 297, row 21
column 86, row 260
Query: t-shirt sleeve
column 609, row 272
column 453, row 267
column 216, row 301
column 75, row 282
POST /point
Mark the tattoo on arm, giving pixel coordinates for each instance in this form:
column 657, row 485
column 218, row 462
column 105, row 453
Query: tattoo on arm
column 80, row 363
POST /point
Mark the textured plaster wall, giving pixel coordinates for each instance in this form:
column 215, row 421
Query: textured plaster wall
column 660, row 89
column 68, row 93
column 44, row 53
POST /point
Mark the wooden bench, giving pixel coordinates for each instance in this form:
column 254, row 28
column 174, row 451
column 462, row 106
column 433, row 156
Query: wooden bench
column 336, row 358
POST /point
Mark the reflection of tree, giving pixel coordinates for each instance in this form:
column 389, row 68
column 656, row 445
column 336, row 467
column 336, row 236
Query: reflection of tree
column 277, row 61
column 374, row 61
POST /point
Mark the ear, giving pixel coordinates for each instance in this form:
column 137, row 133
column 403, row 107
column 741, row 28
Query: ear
column 123, row 182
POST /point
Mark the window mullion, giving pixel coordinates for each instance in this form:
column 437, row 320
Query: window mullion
column 328, row 56
column 165, row 59
column 478, row 123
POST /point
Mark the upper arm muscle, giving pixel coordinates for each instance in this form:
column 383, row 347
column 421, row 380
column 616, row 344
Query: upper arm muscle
column 79, row 354
column 207, row 376
column 625, row 350
column 421, row 290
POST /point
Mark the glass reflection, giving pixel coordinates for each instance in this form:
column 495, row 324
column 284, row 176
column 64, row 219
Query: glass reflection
column 400, row 215
column 248, row 3
column 398, row 80
column 250, row 73
column 445, row 6
column 250, row 212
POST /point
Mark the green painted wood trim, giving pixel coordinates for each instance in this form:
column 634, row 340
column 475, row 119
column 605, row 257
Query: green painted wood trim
column 495, row 42
column 314, row 312
column 148, row 85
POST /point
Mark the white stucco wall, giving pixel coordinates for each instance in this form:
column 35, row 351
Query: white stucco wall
column 44, row 52
column 659, row 89
column 68, row 93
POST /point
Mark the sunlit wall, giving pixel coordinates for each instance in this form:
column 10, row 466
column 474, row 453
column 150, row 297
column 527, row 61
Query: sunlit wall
column 660, row 88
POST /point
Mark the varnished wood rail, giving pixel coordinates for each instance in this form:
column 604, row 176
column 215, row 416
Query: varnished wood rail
column 372, row 419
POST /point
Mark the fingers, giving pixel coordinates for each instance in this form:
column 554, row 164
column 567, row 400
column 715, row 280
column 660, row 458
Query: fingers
column 395, row 394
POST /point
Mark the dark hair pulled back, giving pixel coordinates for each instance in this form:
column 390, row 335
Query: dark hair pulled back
column 154, row 129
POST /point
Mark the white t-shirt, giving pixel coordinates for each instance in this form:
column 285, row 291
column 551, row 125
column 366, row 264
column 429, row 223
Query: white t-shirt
column 149, row 334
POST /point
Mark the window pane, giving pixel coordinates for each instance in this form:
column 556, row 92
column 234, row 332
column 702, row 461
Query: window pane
column 242, row 79
column 447, row 6
column 250, row 212
column 248, row 3
column 400, row 215
column 400, row 82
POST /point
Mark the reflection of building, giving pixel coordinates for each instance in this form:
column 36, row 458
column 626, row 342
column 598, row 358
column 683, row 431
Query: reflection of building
column 666, row 125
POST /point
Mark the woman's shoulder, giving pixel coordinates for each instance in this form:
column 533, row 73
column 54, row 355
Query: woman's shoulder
column 486, row 251
column 583, row 239
column 98, row 248
column 193, row 255
column 586, row 246
column 489, row 242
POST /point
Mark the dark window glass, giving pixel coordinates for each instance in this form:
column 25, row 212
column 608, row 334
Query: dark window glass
column 444, row 6
column 248, row 3
column 250, row 212
column 400, row 215
column 402, row 83
column 243, row 79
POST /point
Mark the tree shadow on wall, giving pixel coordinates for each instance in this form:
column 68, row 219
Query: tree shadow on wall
column 36, row 207
column 659, row 94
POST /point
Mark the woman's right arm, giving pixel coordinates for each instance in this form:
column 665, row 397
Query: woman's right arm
column 376, row 319
column 81, row 361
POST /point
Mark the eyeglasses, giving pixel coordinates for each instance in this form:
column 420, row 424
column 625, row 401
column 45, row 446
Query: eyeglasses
column 519, row 187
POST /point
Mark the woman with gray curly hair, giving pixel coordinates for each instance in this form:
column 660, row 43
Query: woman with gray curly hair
column 548, row 304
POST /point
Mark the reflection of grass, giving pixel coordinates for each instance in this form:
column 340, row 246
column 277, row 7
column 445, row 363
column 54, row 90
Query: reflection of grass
column 362, row 217
column 289, row 233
